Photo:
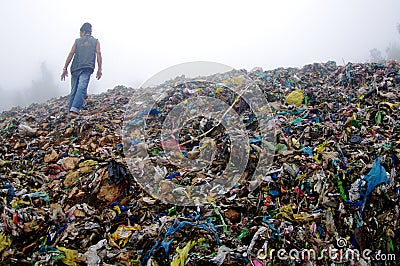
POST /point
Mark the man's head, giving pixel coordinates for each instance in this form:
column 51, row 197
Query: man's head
column 86, row 28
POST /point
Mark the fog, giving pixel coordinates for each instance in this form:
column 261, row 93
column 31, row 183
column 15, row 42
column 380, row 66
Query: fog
column 140, row 38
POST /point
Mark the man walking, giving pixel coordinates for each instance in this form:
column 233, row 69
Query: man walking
column 84, row 51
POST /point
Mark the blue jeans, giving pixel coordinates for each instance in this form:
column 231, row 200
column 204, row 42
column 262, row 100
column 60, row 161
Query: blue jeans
column 79, row 83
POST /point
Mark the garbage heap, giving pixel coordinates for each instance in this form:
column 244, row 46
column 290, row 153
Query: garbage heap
column 69, row 198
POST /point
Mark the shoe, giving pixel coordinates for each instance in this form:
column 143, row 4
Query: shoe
column 73, row 114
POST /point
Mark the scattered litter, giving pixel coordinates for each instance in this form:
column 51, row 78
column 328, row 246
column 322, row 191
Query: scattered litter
column 68, row 197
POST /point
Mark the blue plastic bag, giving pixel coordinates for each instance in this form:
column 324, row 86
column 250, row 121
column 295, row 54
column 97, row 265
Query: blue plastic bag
column 374, row 178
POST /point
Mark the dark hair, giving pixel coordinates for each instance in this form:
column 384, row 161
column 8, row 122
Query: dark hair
column 86, row 28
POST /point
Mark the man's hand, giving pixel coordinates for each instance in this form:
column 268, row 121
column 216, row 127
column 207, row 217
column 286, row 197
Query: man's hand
column 99, row 74
column 64, row 74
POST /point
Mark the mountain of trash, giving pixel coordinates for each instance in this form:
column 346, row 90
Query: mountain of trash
column 332, row 195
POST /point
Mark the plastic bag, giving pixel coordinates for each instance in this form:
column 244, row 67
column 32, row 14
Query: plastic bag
column 295, row 97
column 374, row 178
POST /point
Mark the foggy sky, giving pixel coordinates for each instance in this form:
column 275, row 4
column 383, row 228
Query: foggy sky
column 140, row 38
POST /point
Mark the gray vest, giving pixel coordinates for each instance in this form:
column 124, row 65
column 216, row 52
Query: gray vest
column 85, row 53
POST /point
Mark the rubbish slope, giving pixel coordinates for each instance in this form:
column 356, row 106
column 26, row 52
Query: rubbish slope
column 69, row 199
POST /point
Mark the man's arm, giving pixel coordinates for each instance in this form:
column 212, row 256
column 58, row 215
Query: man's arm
column 69, row 58
column 99, row 61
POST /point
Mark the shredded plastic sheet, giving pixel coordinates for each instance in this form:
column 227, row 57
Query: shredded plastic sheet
column 5, row 241
column 374, row 178
column 70, row 256
column 182, row 254
column 40, row 195
column 259, row 232
column 208, row 226
column 225, row 228
column 121, row 236
column 171, row 230
column 92, row 258
column 221, row 255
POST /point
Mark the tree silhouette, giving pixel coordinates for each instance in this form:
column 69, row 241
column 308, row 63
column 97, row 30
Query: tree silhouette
column 40, row 90
column 376, row 56
column 44, row 88
column 392, row 52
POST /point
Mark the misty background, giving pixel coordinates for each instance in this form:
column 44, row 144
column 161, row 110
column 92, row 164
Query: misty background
column 141, row 38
